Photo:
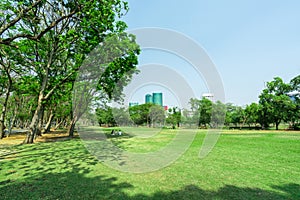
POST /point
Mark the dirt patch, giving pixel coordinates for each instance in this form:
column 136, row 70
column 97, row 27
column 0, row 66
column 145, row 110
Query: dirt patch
column 54, row 136
column 18, row 138
column 14, row 139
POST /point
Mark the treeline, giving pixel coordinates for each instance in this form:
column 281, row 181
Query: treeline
column 43, row 45
column 148, row 114
column 278, row 103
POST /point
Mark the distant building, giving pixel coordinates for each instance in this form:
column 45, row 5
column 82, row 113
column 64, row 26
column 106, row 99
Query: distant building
column 148, row 98
column 209, row 96
column 155, row 98
column 158, row 98
column 133, row 104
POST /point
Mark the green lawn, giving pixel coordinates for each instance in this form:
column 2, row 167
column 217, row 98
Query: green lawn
column 243, row 165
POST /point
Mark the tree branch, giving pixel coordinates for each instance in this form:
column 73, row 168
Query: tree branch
column 7, row 41
column 60, row 83
column 19, row 17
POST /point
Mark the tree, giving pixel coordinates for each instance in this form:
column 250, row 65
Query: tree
column 208, row 113
column 157, row 115
column 295, row 85
column 188, row 118
column 5, row 67
column 194, row 113
column 252, row 112
column 28, row 20
column 205, row 112
column 218, row 114
column 53, row 38
column 105, row 116
column 139, row 114
column 293, row 116
column 274, row 103
column 238, row 116
column 174, row 117
column 14, row 14
column 121, row 116
column 104, row 73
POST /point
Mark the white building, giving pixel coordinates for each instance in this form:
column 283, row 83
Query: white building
column 209, row 96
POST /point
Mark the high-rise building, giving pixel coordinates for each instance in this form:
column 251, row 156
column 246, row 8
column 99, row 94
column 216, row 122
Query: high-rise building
column 148, row 98
column 157, row 98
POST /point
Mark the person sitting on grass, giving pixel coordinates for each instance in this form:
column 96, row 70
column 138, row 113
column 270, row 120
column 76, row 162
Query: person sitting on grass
column 112, row 132
column 119, row 132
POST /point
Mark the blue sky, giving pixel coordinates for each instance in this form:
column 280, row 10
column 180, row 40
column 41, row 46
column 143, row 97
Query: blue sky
column 250, row 42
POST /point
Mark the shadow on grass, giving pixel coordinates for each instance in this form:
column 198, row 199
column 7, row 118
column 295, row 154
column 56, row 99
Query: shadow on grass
column 67, row 185
column 64, row 170
column 74, row 185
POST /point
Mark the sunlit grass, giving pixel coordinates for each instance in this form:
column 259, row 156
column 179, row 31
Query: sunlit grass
column 243, row 165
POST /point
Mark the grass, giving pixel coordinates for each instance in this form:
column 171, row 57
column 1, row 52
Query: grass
column 243, row 165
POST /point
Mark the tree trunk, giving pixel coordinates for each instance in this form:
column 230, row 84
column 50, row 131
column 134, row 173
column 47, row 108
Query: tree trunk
column 34, row 122
column 15, row 114
column 25, row 125
column 41, row 122
column 243, row 123
column 48, row 125
column 4, row 108
column 58, row 124
column 277, row 124
column 71, row 127
column 39, row 110
column 2, row 129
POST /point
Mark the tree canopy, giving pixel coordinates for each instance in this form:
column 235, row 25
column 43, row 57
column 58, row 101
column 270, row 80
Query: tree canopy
column 47, row 41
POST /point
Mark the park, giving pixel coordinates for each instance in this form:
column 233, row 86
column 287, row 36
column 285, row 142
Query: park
column 71, row 128
column 242, row 165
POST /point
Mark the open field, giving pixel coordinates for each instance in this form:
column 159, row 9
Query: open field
column 243, row 165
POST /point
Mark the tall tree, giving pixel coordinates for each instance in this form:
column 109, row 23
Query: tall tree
column 105, row 116
column 53, row 37
column 139, row 114
column 252, row 111
column 174, row 117
column 218, row 114
column 274, row 102
column 104, row 73
column 157, row 115
column 294, row 114
column 205, row 111
column 8, row 72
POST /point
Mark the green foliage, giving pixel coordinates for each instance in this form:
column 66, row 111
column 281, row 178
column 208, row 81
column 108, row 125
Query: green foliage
column 121, row 116
column 105, row 116
column 252, row 113
column 274, row 102
column 139, row 114
column 208, row 113
column 295, row 83
column 121, row 50
column 205, row 112
column 218, row 114
column 157, row 115
column 47, row 41
column 174, row 117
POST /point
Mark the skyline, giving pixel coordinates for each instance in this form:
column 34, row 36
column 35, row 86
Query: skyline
column 138, row 100
column 250, row 42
